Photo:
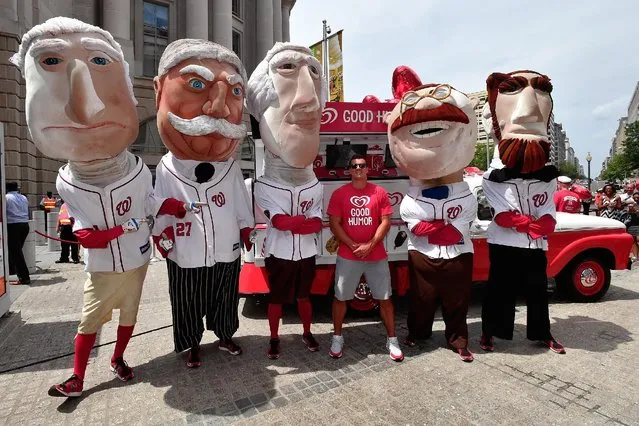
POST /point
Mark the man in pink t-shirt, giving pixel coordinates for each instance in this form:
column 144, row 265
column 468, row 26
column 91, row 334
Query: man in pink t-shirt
column 359, row 215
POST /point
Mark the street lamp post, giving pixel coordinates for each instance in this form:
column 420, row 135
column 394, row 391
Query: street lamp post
column 325, row 52
column 589, row 159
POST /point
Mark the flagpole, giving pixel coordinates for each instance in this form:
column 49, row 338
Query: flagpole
column 325, row 58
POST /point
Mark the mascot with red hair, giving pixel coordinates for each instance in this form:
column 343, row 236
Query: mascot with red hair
column 432, row 133
column 521, row 194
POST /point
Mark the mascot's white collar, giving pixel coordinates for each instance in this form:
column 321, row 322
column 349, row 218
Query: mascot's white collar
column 101, row 173
column 276, row 170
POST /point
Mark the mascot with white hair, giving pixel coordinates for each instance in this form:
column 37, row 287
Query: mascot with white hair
column 432, row 133
column 286, row 94
column 80, row 107
column 200, row 98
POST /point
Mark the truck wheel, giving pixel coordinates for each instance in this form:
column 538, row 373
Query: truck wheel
column 585, row 280
column 363, row 300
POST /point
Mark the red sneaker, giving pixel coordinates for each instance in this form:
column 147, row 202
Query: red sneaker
column 487, row 343
column 230, row 346
column 273, row 351
column 555, row 346
column 311, row 343
column 194, row 358
column 71, row 387
column 465, row 354
column 121, row 369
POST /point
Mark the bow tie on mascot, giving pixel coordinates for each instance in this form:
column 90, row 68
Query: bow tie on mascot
column 80, row 107
column 432, row 133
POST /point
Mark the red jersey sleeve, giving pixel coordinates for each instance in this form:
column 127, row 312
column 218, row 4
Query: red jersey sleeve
column 93, row 238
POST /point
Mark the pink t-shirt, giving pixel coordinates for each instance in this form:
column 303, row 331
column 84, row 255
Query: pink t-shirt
column 361, row 211
column 567, row 201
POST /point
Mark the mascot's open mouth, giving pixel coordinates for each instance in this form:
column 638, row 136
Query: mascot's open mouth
column 429, row 129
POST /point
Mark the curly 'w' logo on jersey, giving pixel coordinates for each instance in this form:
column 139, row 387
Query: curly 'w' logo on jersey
column 123, row 206
column 219, row 199
column 306, row 205
column 540, row 199
column 453, row 212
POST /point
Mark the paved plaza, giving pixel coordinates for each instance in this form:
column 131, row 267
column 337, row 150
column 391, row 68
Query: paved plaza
column 596, row 382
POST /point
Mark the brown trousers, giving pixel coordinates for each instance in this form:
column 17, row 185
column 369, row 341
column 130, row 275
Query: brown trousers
column 450, row 280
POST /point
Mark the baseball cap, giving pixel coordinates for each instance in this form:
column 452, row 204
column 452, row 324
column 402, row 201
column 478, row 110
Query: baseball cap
column 564, row 179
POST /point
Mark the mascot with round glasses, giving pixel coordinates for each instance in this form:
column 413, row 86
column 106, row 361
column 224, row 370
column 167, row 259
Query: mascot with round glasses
column 521, row 194
column 432, row 133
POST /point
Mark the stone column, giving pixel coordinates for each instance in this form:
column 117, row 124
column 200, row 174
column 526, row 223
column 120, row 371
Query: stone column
column 223, row 23
column 286, row 12
column 264, row 27
column 117, row 21
column 197, row 19
column 277, row 20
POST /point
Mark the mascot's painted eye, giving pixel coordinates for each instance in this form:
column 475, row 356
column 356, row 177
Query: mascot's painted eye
column 237, row 91
column 99, row 60
column 313, row 70
column 196, row 84
column 287, row 66
column 51, row 61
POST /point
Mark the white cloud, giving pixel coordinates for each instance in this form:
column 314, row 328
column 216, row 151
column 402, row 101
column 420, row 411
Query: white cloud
column 585, row 47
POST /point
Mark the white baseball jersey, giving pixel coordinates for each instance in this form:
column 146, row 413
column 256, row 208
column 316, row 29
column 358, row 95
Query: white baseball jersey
column 459, row 210
column 101, row 208
column 274, row 198
column 527, row 196
column 213, row 235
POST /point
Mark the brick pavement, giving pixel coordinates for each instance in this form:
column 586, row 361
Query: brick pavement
column 595, row 383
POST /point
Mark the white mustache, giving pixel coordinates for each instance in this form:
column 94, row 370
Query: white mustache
column 205, row 125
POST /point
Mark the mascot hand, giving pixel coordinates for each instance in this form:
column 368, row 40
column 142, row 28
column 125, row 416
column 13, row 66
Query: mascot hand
column 245, row 236
column 194, row 207
column 131, row 225
column 164, row 242
column 446, row 236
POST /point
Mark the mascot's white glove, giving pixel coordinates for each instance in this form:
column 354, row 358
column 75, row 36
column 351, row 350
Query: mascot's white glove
column 194, row 207
column 131, row 225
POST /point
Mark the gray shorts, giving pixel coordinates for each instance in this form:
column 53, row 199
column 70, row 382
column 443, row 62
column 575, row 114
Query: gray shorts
column 349, row 272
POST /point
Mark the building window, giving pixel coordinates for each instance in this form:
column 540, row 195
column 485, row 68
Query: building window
column 237, row 43
column 237, row 8
column 156, row 36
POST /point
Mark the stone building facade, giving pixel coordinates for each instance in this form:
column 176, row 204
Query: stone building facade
column 143, row 28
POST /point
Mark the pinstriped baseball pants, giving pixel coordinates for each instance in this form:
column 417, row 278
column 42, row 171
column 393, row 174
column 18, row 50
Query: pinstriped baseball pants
column 206, row 291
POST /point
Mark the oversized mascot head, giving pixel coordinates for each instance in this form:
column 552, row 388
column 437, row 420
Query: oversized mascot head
column 432, row 130
column 79, row 97
column 199, row 94
column 286, row 94
column 520, row 106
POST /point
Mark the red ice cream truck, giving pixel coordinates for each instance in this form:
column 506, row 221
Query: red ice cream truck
column 582, row 250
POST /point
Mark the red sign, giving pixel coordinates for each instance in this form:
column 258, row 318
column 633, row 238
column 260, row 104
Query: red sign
column 355, row 117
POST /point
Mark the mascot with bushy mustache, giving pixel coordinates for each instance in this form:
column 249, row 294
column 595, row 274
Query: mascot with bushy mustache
column 521, row 194
column 432, row 133
column 200, row 98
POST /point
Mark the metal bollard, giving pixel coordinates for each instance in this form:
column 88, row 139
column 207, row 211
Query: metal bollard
column 52, row 224
column 38, row 219
column 28, row 249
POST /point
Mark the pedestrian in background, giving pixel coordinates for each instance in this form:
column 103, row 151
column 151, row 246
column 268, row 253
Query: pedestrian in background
column 48, row 204
column 69, row 240
column 17, row 231
column 632, row 225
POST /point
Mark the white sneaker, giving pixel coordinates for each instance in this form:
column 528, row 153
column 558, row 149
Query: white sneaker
column 336, row 347
column 395, row 352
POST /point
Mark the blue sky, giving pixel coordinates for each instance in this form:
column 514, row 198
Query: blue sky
column 588, row 48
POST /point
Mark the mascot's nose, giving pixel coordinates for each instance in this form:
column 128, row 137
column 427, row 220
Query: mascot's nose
column 84, row 103
column 305, row 96
column 527, row 108
column 216, row 105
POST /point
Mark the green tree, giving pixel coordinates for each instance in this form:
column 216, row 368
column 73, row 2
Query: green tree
column 479, row 160
column 618, row 168
column 631, row 146
column 569, row 169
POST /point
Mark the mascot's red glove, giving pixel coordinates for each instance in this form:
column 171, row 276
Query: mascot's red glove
column 424, row 228
column 284, row 222
column 94, row 238
column 165, row 241
column 513, row 220
column 173, row 207
column 245, row 236
column 446, row 236
column 541, row 227
column 309, row 226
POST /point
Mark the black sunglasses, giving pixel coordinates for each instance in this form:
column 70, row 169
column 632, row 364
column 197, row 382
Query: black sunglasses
column 358, row 166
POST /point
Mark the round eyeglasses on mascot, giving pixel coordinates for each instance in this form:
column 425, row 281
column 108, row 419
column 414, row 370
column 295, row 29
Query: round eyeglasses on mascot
column 200, row 98
column 520, row 189
column 286, row 94
column 432, row 133
column 80, row 108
